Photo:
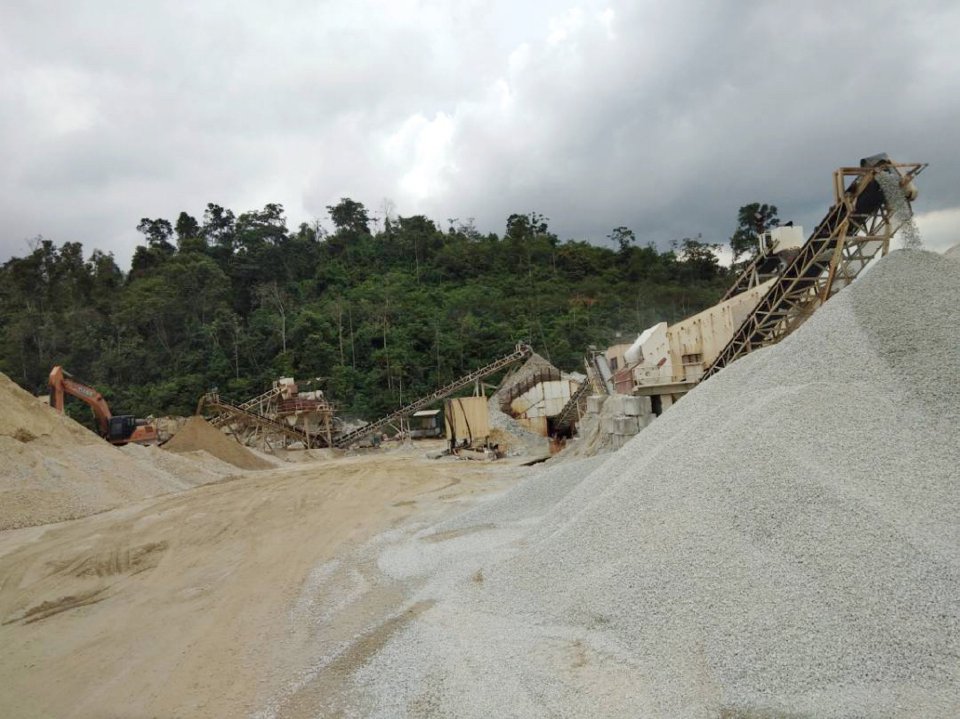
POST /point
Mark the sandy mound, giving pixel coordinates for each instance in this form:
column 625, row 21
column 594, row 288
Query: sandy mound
column 198, row 434
column 782, row 542
column 52, row 469
column 194, row 467
column 26, row 418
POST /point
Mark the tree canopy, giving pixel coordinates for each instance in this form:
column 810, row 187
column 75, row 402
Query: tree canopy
column 236, row 300
column 752, row 220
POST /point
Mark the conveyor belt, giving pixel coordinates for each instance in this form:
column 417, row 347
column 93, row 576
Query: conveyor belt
column 571, row 410
column 856, row 229
column 248, row 417
column 522, row 352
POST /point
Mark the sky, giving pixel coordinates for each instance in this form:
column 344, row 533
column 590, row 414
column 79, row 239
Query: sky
column 664, row 117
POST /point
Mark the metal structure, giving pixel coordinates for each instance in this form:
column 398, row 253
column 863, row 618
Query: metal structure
column 857, row 228
column 601, row 381
column 521, row 352
column 271, row 415
column 769, row 262
column 573, row 409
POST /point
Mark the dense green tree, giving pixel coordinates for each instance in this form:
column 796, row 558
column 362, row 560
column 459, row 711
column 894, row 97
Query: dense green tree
column 187, row 228
column 349, row 215
column 623, row 238
column 752, row 220
column 158, row 233
column 699, row 259
column 240, row 299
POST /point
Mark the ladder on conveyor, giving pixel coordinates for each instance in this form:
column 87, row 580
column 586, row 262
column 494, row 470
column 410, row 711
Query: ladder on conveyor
column 255, row 405
column 229, row 412
column 856, row 229
column 521, row 352
column 572, row 409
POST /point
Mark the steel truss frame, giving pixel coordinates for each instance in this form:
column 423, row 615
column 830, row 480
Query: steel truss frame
column 856, row 229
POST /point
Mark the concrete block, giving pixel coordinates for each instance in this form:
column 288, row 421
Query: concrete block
column 636, row 406
column 614, row 405
column 627, row 426
column 595, row 403
column 609, row 425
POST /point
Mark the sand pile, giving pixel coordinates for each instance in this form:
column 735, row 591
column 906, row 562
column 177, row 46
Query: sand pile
column 198, row 434
column 25, row 417
column 196, row 468
column 52, row 469
column 783, row 542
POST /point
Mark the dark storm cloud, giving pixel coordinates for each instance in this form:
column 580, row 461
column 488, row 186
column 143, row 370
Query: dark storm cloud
column 664, row 117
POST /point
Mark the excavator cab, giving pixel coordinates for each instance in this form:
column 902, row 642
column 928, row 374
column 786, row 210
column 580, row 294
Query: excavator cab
column 121, row 427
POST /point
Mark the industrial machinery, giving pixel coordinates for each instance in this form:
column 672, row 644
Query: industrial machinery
column 521, row 352
column 857, row 228
column 781, row 287
column 308, row 418
column 282, row 414
column 116, row 429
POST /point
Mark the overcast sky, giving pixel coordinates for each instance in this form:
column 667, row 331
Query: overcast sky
column 661, row 116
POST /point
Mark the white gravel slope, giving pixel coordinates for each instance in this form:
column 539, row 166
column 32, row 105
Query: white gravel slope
column 784, row 542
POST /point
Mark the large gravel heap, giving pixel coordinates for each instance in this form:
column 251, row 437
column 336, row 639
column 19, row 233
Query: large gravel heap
column 53, row 469
column 784, row 542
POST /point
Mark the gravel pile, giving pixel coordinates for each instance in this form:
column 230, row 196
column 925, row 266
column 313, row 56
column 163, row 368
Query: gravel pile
column 546, row 485
column 26, row 418
column 53, row 469
column 783, row 542
column 902, row 211
column 512, row 436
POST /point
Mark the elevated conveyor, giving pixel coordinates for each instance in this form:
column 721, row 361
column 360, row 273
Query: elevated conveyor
column 246, row 415
column 857, row 228
column 256, row 405
column 573, row 408
column 521, row 352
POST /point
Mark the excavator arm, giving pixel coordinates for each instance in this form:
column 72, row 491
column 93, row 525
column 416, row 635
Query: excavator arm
column 61, row 384
column 116, row 429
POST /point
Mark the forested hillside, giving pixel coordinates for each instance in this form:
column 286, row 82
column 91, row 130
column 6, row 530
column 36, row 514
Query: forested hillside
column 375, row 310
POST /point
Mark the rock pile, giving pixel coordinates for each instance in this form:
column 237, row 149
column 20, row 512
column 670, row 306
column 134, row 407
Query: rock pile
column 783, row 542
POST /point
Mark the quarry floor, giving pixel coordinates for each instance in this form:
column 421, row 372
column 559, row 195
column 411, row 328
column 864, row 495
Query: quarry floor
column 209, row 602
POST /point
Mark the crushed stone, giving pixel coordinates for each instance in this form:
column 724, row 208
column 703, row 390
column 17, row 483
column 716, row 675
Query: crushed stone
column 782, row 542
column 907, row 229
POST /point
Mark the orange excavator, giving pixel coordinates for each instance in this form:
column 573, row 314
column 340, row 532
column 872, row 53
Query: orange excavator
column 116, row 429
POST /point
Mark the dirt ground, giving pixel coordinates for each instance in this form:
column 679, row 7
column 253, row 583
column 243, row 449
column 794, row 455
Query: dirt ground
column 216, row 601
